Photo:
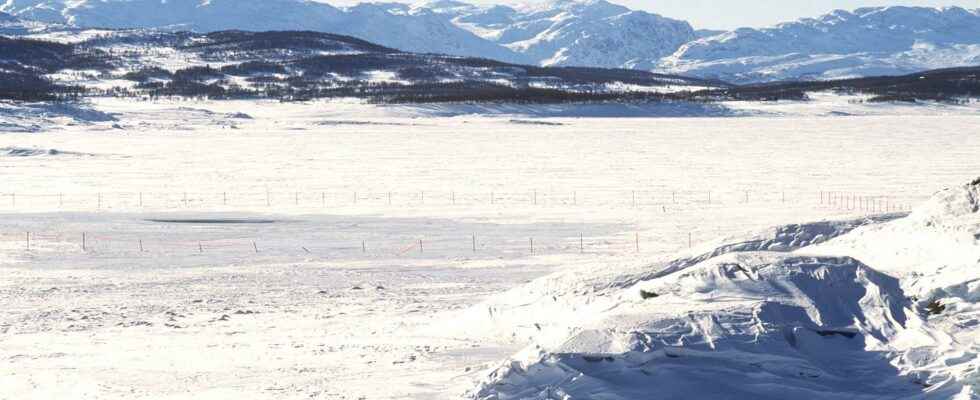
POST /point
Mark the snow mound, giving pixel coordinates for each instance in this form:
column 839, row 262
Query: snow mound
column 882, row 308
column 951, row 204
column 739, row 326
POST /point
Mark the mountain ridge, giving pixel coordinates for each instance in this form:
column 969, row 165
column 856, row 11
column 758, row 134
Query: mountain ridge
column 868, row 41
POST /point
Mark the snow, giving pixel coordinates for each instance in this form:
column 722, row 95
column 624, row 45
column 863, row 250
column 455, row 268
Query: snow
column 845, row 317
column 326, row 250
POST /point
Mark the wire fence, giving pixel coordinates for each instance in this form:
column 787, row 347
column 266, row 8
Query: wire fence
column 842, row 200
column 339, row 243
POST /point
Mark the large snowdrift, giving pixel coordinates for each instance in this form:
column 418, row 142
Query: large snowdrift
column 883, row 308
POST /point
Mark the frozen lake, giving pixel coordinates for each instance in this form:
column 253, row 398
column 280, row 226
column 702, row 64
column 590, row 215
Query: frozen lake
column 382, row 227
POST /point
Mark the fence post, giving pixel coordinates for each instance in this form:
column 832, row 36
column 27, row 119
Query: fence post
column 535, row 197
column 452, row 196
column 421, row 250
column 297, row 198
column 28, row 241
column 224, row 198
column 323, row 199
column 83, row 242
column 363, row 247
column 268, row 201
column 532, row 245
column 637, row 239
column 141, row 245
column 575, row 198
column 100, row 201
column 389, row 198
column 474, row 243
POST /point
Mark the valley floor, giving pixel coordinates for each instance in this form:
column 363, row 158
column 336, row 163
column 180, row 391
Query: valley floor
column 327, row 250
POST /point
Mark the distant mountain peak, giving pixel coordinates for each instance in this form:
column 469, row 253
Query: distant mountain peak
column 867, row 41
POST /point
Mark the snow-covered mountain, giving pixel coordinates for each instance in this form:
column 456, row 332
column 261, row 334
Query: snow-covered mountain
column 867, row 41
column 393, row 25
column 574, row 32
column 556, row 33
column 594, row 33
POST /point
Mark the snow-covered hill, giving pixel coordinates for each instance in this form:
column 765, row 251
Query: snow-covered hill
column 67, row 64
column 884, row 308
column 867, row 41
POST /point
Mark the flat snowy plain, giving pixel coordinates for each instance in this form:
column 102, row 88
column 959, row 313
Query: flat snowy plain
column 333, row 250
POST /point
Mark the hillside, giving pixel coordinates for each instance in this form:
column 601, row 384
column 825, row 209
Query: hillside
column 296, row 65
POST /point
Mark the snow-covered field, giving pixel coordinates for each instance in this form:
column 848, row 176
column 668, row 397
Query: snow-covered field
column 342, row 251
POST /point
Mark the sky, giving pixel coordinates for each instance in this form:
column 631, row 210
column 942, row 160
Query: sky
column 731, row 14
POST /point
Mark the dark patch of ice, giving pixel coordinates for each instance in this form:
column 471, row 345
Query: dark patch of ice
column 205, row 221
column 532, row 122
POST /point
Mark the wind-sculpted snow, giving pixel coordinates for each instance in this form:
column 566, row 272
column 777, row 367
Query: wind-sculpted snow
column 740, row 326
column 876, row 309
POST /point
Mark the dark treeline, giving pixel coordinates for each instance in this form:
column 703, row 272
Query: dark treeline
column 947, row 85
column 310, row 65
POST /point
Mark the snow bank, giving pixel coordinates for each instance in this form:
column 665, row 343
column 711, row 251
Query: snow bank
column 34, row 152
column 34, row 117
column 882, row 308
